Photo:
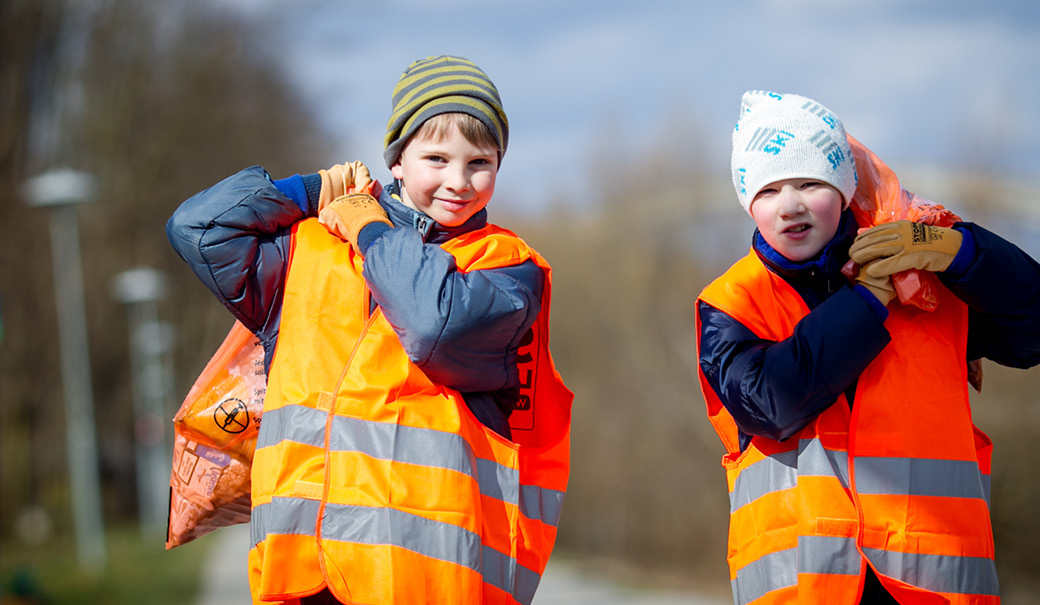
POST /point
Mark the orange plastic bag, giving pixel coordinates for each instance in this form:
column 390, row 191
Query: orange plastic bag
column 879, row 199
column 214, row 437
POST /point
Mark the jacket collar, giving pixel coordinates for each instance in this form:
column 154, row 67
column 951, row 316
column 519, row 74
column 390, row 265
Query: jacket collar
column 432, row 231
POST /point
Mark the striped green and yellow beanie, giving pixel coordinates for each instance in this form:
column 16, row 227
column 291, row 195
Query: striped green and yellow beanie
column 437, row 85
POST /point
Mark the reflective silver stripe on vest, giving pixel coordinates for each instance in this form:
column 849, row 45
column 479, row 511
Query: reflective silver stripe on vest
column 814, row 554
column 874, row 475
column 781, row 471
column 426, row 447
column 294, row 516
column 829, row 555
column 771, row 572
column 292, row 423
column 938, row 573
column 929, row 477
column 919, row 477
column 502, row 572
column 375, row 526
column 541, row 504
column 505, row 487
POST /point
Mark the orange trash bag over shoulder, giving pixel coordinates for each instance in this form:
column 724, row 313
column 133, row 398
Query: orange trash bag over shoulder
column 215, row 433
column 879, row 199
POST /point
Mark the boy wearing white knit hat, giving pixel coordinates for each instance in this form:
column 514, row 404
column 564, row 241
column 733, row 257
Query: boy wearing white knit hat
column 855, row 472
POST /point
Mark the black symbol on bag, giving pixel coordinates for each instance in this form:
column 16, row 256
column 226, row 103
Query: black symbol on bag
column 232, row 416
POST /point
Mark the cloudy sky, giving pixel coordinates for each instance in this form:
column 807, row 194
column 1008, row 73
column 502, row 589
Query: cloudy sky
column 921, row 82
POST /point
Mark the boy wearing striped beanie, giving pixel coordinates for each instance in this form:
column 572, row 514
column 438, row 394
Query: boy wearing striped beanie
column 855, row 472
column 412, row 358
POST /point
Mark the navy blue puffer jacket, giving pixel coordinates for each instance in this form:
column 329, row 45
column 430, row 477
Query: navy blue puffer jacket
column 774, row 389
column 462, row 329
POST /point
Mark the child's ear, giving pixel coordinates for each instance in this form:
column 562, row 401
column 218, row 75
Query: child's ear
column 396, row 170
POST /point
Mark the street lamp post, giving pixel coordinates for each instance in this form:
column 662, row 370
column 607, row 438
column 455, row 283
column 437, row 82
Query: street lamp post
column 140, row 290
column 60, row 191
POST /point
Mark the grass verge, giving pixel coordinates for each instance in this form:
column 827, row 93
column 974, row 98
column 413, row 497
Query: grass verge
column 138, row 570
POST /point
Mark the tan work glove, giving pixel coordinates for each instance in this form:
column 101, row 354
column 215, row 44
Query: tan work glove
column 880, row 286
column 893, row 247
column 347, row 215
column 342, row 179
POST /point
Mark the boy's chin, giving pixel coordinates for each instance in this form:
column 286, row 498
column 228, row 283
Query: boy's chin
column 450, row 218
column 800, row 254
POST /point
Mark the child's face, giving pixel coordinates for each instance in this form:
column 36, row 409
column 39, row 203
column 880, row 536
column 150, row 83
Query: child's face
column 448, row 180
column 797, row 217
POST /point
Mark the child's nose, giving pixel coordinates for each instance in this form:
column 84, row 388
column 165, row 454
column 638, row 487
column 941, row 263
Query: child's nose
column 790, row 202
column 457, row 178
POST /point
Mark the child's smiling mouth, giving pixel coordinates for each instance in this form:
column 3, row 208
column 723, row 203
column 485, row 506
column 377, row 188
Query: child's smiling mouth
column 453, row 205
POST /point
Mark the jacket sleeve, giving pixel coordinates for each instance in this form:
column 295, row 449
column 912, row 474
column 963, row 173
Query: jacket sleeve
column 235, row 237
column 1001, row 286
column 774, row 389
column 462, row 329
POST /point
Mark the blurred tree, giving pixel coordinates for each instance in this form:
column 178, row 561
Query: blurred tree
column 158, row 100
column 29, row 34
column 1007, row 410
column 646, row 485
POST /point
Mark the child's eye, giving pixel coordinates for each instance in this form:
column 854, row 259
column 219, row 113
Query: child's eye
column 435, row 158
column 811, row 184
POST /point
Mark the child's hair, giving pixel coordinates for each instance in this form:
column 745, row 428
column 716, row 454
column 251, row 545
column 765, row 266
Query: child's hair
column 441, row 85
column 437, row 128
column 786, row 136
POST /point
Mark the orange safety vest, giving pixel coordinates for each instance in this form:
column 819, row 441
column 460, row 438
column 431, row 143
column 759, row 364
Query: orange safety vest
column 372, row 480
column 900, row 482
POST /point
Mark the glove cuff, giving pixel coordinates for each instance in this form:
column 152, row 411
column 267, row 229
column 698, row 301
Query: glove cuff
column 370, row 233
column 312, row 185
column 875, row 304
column 965, row 256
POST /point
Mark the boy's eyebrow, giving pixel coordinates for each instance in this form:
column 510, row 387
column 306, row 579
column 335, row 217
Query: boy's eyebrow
column 434, row 149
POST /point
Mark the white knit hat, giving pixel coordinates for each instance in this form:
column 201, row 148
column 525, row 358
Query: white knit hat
column 786, row 136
